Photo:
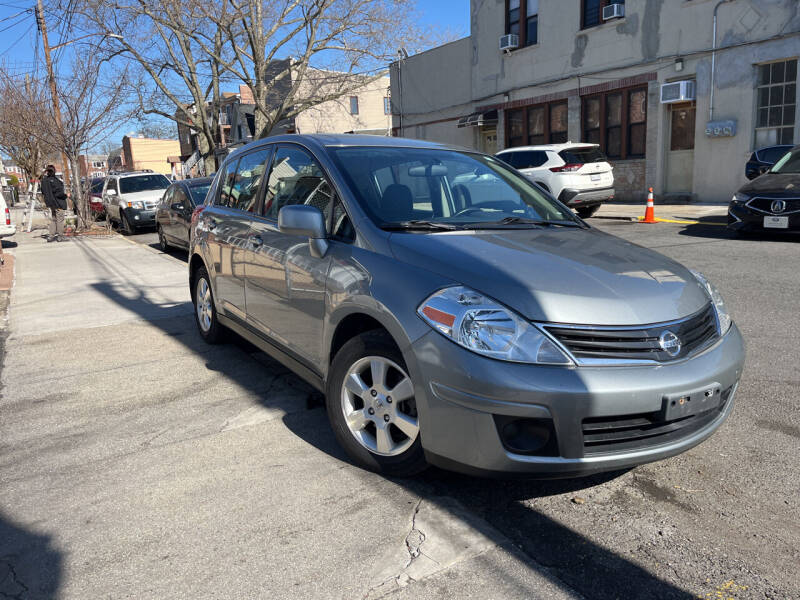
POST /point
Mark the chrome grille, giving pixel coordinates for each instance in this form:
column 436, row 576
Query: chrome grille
column 764, row 204
column 595, row 345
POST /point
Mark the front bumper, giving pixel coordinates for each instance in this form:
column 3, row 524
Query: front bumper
column 141, row 218
column 742, row 217
column 573, row 198
column 464, row 396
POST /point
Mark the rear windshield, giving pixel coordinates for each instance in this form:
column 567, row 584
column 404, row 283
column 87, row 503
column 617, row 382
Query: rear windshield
column 199, row 193
column 143, row 183
column 97, row 185
column 579, row 156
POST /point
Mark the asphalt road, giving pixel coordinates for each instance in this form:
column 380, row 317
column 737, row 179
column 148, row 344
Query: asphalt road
column 165, row 468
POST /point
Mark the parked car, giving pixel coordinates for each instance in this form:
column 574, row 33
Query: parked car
column 130, row 199
column 483, row 329
column 174, row 212
column 579, row 175
column 770, row 202
column 6, row 226
column 762, row 160
column 96, row 197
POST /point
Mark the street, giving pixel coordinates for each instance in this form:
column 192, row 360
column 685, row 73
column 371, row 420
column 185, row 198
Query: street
column 137, row 461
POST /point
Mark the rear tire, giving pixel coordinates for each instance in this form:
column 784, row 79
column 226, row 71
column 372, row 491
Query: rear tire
column 163, row 245
column 587, row 211
column 205, row 312
column 379, row 432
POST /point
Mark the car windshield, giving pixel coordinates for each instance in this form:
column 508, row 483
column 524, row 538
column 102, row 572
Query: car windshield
column 422, row 188
column 198, row 193
column 143, row 183
column 790, row 163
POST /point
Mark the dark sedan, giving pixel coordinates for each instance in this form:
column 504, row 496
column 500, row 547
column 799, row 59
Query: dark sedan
column 763, row 159
column 770, row 202
column 174, row 212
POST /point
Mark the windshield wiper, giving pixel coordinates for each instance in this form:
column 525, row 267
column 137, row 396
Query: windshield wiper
column 419, row 225
column 542, row 222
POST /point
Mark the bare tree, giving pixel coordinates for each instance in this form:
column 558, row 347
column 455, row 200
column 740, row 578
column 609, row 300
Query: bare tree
column 170, row 75
column 24, row 122
column 335, row 47
column 92, row 107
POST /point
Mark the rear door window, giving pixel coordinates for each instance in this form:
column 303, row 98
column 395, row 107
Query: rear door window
column 528, row 159
column 579, row 156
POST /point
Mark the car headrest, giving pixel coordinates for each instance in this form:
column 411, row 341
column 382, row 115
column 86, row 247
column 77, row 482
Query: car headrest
column 397, row 203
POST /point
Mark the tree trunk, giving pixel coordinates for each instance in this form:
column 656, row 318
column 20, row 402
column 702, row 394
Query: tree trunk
column 206, row 150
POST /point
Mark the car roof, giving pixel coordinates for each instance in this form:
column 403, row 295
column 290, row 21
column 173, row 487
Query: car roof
column 196, row 182
column 321, row 141
column 136, row 174
column 553, row 147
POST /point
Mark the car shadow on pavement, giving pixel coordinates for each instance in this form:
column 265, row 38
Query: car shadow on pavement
column 30, row 565
column 710, row 228
column 568, row 559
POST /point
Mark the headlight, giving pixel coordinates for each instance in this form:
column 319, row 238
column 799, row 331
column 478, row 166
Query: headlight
column 482, row 325
column 139, row 205
column 739, row 197
column 723, row 318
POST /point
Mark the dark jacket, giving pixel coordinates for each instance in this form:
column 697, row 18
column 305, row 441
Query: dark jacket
column 53, row 192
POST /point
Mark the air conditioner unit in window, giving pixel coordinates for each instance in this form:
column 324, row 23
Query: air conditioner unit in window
column 509, row 42
column 678, row 91
column 613, row 11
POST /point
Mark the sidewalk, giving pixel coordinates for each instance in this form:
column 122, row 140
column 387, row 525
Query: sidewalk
column 707, row 212
column 91, row 282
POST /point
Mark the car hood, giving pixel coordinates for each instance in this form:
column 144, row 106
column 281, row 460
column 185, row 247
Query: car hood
column 774, row 184
column 560, row 275
column 144, row 196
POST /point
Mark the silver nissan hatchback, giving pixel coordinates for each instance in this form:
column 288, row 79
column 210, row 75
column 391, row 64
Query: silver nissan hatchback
column 454, row 314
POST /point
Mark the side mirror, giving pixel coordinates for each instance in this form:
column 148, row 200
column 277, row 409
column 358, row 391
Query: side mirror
column 111, row 192
column 177, row 207
column 306, row 221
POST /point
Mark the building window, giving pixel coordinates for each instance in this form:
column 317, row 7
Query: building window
column 522, row 19
column 353, row 105
column 387, row 109
column 592, row 11
column 533, row 125
column 776, row 103
column 617, row 121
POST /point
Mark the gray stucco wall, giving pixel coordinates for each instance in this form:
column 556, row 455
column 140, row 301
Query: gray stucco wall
column 455, row 79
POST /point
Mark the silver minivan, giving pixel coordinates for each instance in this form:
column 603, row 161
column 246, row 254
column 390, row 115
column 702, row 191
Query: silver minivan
column 455, row 315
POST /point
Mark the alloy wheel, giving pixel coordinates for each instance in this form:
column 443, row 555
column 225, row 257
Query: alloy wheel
column 377, row 400
column 203, row 304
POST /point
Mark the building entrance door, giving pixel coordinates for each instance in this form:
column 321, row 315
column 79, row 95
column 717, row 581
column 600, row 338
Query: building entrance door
column 680, row 151
column 489, row 141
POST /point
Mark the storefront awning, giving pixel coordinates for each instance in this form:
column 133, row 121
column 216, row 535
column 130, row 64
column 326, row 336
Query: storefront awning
column 479, row 119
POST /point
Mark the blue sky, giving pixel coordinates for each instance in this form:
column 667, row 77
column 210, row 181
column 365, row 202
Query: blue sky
column 20, row 44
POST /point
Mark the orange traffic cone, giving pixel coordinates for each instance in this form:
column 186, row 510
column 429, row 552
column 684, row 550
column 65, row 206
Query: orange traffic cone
column 649, row 213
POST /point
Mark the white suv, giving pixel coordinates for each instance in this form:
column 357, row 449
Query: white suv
column 130, row 199
column 577, row 174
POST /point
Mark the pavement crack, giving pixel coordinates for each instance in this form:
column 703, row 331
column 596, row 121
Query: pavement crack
column 9, row 580
column 413, row 542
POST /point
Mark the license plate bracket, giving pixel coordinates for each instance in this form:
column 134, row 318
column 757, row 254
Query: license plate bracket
column 776, row 222
column 595, row 177
column 684, row 404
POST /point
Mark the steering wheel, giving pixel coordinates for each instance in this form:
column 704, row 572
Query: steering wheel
column 468, row 210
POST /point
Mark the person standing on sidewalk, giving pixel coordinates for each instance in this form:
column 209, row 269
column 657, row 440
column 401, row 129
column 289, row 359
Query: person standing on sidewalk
column 55, row 198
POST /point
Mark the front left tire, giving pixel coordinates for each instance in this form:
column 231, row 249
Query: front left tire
column 371, row 406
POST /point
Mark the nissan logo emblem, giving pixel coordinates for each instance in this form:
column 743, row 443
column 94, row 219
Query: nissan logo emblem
column 670, row 343
column 778, row 206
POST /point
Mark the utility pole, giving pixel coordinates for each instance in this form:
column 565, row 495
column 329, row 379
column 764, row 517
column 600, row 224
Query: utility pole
column 52, row 81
